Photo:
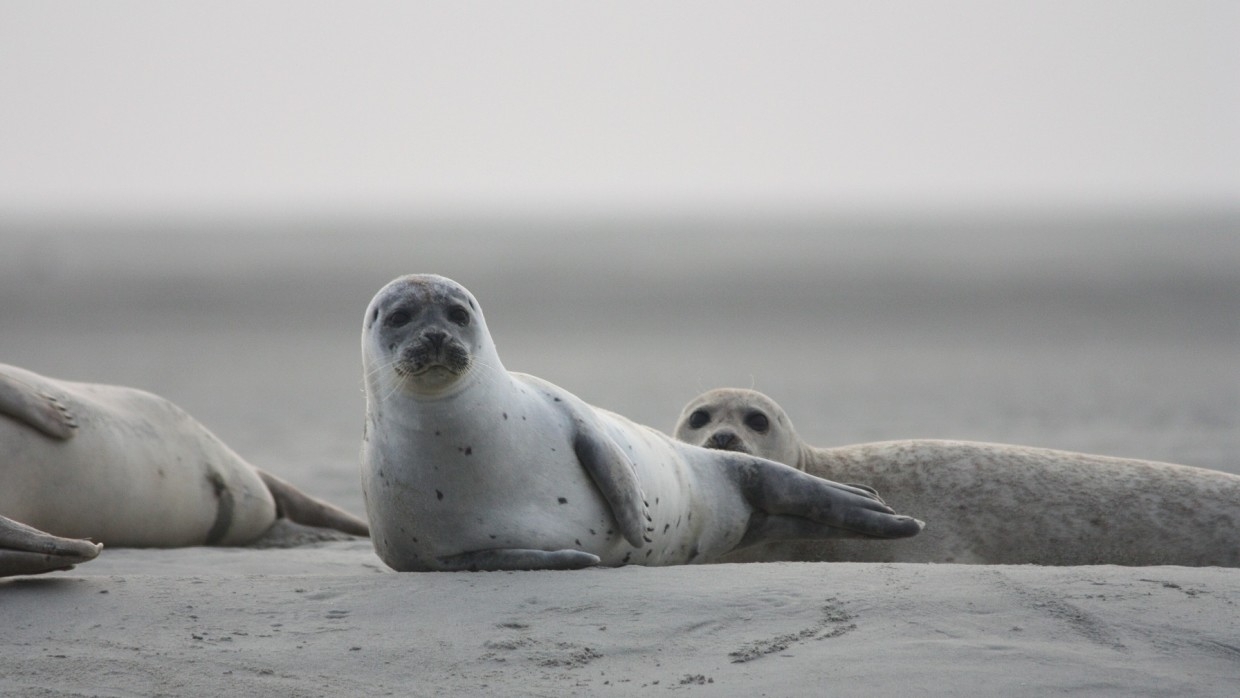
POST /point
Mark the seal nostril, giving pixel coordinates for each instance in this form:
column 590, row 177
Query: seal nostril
column 436, row 339
column 722, row 440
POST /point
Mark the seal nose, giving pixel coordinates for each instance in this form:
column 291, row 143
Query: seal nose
column 436, row 339
column 722, row 440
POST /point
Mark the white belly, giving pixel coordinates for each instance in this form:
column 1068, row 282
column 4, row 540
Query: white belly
column 507, row 477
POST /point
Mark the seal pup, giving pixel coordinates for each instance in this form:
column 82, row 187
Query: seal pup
column 992, row 503
column 466, row 466
column 126, row 468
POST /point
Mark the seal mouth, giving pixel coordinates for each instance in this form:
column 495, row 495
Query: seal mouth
column 437, row 370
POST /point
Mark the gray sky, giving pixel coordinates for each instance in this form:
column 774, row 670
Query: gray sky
column 132, row 106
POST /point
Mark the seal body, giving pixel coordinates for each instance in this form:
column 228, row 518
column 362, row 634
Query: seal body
column 128, row 468
column 992, row 503
column 468, row 466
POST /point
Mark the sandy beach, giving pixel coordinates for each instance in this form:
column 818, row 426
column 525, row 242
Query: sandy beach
column 1113, row 336
column 329, row 621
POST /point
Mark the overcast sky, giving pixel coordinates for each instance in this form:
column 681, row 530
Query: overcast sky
column 134, row 106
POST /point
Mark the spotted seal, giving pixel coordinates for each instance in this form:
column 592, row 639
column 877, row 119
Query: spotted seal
column 466, row 466
column 991, row 503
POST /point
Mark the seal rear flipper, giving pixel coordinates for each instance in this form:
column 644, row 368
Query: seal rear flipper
column 27, row 550
column 518, row 559
column 36, row 407
column 299, row 507
column 615, row 478
column 778, row 490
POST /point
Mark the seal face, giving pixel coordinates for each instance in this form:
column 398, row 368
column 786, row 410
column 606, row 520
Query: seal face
column 468, row 466
column 991, row 503
column 430, row 335
column 741, row 421
column 127, row 468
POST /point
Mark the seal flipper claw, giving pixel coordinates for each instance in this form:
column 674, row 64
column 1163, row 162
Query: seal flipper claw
column 865, row 488
column 27, row 550
column 613, row 474
column 518, row 559
column 37, row 408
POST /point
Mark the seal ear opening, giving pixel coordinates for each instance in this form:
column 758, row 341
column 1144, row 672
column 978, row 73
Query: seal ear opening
column 614, row 476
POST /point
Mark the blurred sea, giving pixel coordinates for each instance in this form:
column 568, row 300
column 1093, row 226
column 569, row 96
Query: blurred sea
column 1117, row 335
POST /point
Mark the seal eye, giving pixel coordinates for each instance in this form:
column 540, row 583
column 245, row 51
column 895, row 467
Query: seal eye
column 459, row 315
column 698, row 419
column 758, row 422
column 399, row 318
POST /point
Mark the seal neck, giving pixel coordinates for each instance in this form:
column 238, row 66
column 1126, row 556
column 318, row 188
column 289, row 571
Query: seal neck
column 805, row 456
column 418, row 411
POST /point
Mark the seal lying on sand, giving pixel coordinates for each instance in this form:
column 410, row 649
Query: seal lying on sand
column 468, row 466
column 992, row 503
column 125, row 468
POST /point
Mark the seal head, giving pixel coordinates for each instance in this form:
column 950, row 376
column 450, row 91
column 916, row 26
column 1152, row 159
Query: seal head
column 430, row 331
column 744, row 421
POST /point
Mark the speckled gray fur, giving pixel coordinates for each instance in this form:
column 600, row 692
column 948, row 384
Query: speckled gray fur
column 994, row 503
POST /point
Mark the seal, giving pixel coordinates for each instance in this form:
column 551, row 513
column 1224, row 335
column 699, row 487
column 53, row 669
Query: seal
column 991, row 503
column 126, row 468
column 466, row 466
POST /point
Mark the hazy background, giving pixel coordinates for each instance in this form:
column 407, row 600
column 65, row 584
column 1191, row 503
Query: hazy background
column 284, row 106
column 1000, row 221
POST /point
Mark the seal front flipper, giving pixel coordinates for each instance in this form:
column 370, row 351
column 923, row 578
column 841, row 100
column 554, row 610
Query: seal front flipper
column 26, row 550
column 30, row 404
column 764, row 527
column 615, row 478
column 299, row 507
column 518, row 559
column 778, row 490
